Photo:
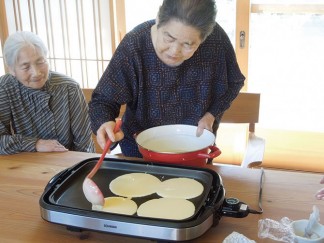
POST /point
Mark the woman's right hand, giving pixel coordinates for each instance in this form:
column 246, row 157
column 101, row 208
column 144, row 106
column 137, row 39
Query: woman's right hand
column 43, row 145
column 106, row 131
column 320, row 194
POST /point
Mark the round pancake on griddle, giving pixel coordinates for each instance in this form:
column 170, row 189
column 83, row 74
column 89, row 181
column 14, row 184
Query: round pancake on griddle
column 185, row 188
column 167, row 208
column 117, row 205
column 134, row 185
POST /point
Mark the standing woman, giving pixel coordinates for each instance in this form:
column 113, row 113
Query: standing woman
column 178, row 69
column 40, row 110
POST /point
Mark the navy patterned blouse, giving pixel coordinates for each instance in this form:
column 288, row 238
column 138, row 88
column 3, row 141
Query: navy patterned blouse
column 157, row 94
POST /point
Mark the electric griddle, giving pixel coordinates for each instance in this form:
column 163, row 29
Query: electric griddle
column 63, row 201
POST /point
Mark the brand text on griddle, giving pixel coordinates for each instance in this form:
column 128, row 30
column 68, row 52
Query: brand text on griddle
column 110, row 226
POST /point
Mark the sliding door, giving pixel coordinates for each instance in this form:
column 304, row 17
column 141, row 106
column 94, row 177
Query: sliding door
column 285, row 65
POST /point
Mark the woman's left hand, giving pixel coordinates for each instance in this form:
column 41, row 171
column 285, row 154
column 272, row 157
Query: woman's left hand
column 43, row 145
column 206, row 122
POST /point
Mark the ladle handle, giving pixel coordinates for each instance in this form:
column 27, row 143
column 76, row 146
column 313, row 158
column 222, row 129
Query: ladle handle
column 105, row 150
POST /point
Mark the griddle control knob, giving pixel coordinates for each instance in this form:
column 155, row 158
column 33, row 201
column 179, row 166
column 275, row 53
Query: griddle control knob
column 232, row 203
column 232, row 207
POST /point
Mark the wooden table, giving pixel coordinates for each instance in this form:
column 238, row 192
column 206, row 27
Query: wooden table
column 24, row 176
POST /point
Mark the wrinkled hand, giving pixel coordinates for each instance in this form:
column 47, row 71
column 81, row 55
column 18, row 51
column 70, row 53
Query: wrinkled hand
column 206, row 122
column 320, row 194
column 106, row 131
column 43, row 145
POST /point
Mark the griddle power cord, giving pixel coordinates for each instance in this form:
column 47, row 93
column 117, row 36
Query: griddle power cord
column 260, row 211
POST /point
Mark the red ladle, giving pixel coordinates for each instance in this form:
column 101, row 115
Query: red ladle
column 90, row 188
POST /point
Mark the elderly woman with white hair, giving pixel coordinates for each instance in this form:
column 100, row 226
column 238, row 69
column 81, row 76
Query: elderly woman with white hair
column 40, row 110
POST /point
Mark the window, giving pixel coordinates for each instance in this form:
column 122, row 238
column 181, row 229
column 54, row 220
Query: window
column 147, row 8
column 78, row 34
column 226, row 17
column 285, row 62
column 285, row 65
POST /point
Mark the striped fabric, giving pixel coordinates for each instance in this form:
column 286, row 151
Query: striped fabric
column 58, row 111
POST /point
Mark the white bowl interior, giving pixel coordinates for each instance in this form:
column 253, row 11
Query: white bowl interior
column 299, row 229
column 174, row 139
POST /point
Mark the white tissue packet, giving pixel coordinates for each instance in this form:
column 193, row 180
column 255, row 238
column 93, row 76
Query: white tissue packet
column 276, row 230
column 236, row 237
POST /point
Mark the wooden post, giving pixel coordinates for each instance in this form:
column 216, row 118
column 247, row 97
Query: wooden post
column 3, row 25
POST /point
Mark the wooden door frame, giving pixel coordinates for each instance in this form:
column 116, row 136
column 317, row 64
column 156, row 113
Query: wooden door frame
column 242, row 24
column 3, row 27
column 3, row 23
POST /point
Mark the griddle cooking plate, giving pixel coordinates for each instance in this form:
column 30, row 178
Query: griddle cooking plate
column 64, row 193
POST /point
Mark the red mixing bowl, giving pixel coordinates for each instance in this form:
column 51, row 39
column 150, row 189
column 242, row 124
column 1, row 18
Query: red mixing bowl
column 177, row 144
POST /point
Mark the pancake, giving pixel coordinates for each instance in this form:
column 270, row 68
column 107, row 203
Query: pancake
column 134, row 185
column 118, row 205
column 167, row 208
column 185, row 188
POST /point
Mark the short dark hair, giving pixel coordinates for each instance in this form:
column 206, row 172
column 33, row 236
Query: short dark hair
column 200, row 14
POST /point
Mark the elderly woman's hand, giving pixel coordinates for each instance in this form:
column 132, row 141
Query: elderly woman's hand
column 206, row 122
column 320, row 194
column 43, row 145
column 106, row 131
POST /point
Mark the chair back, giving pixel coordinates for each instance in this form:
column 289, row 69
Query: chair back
column 244, row 109
column 88, row 93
